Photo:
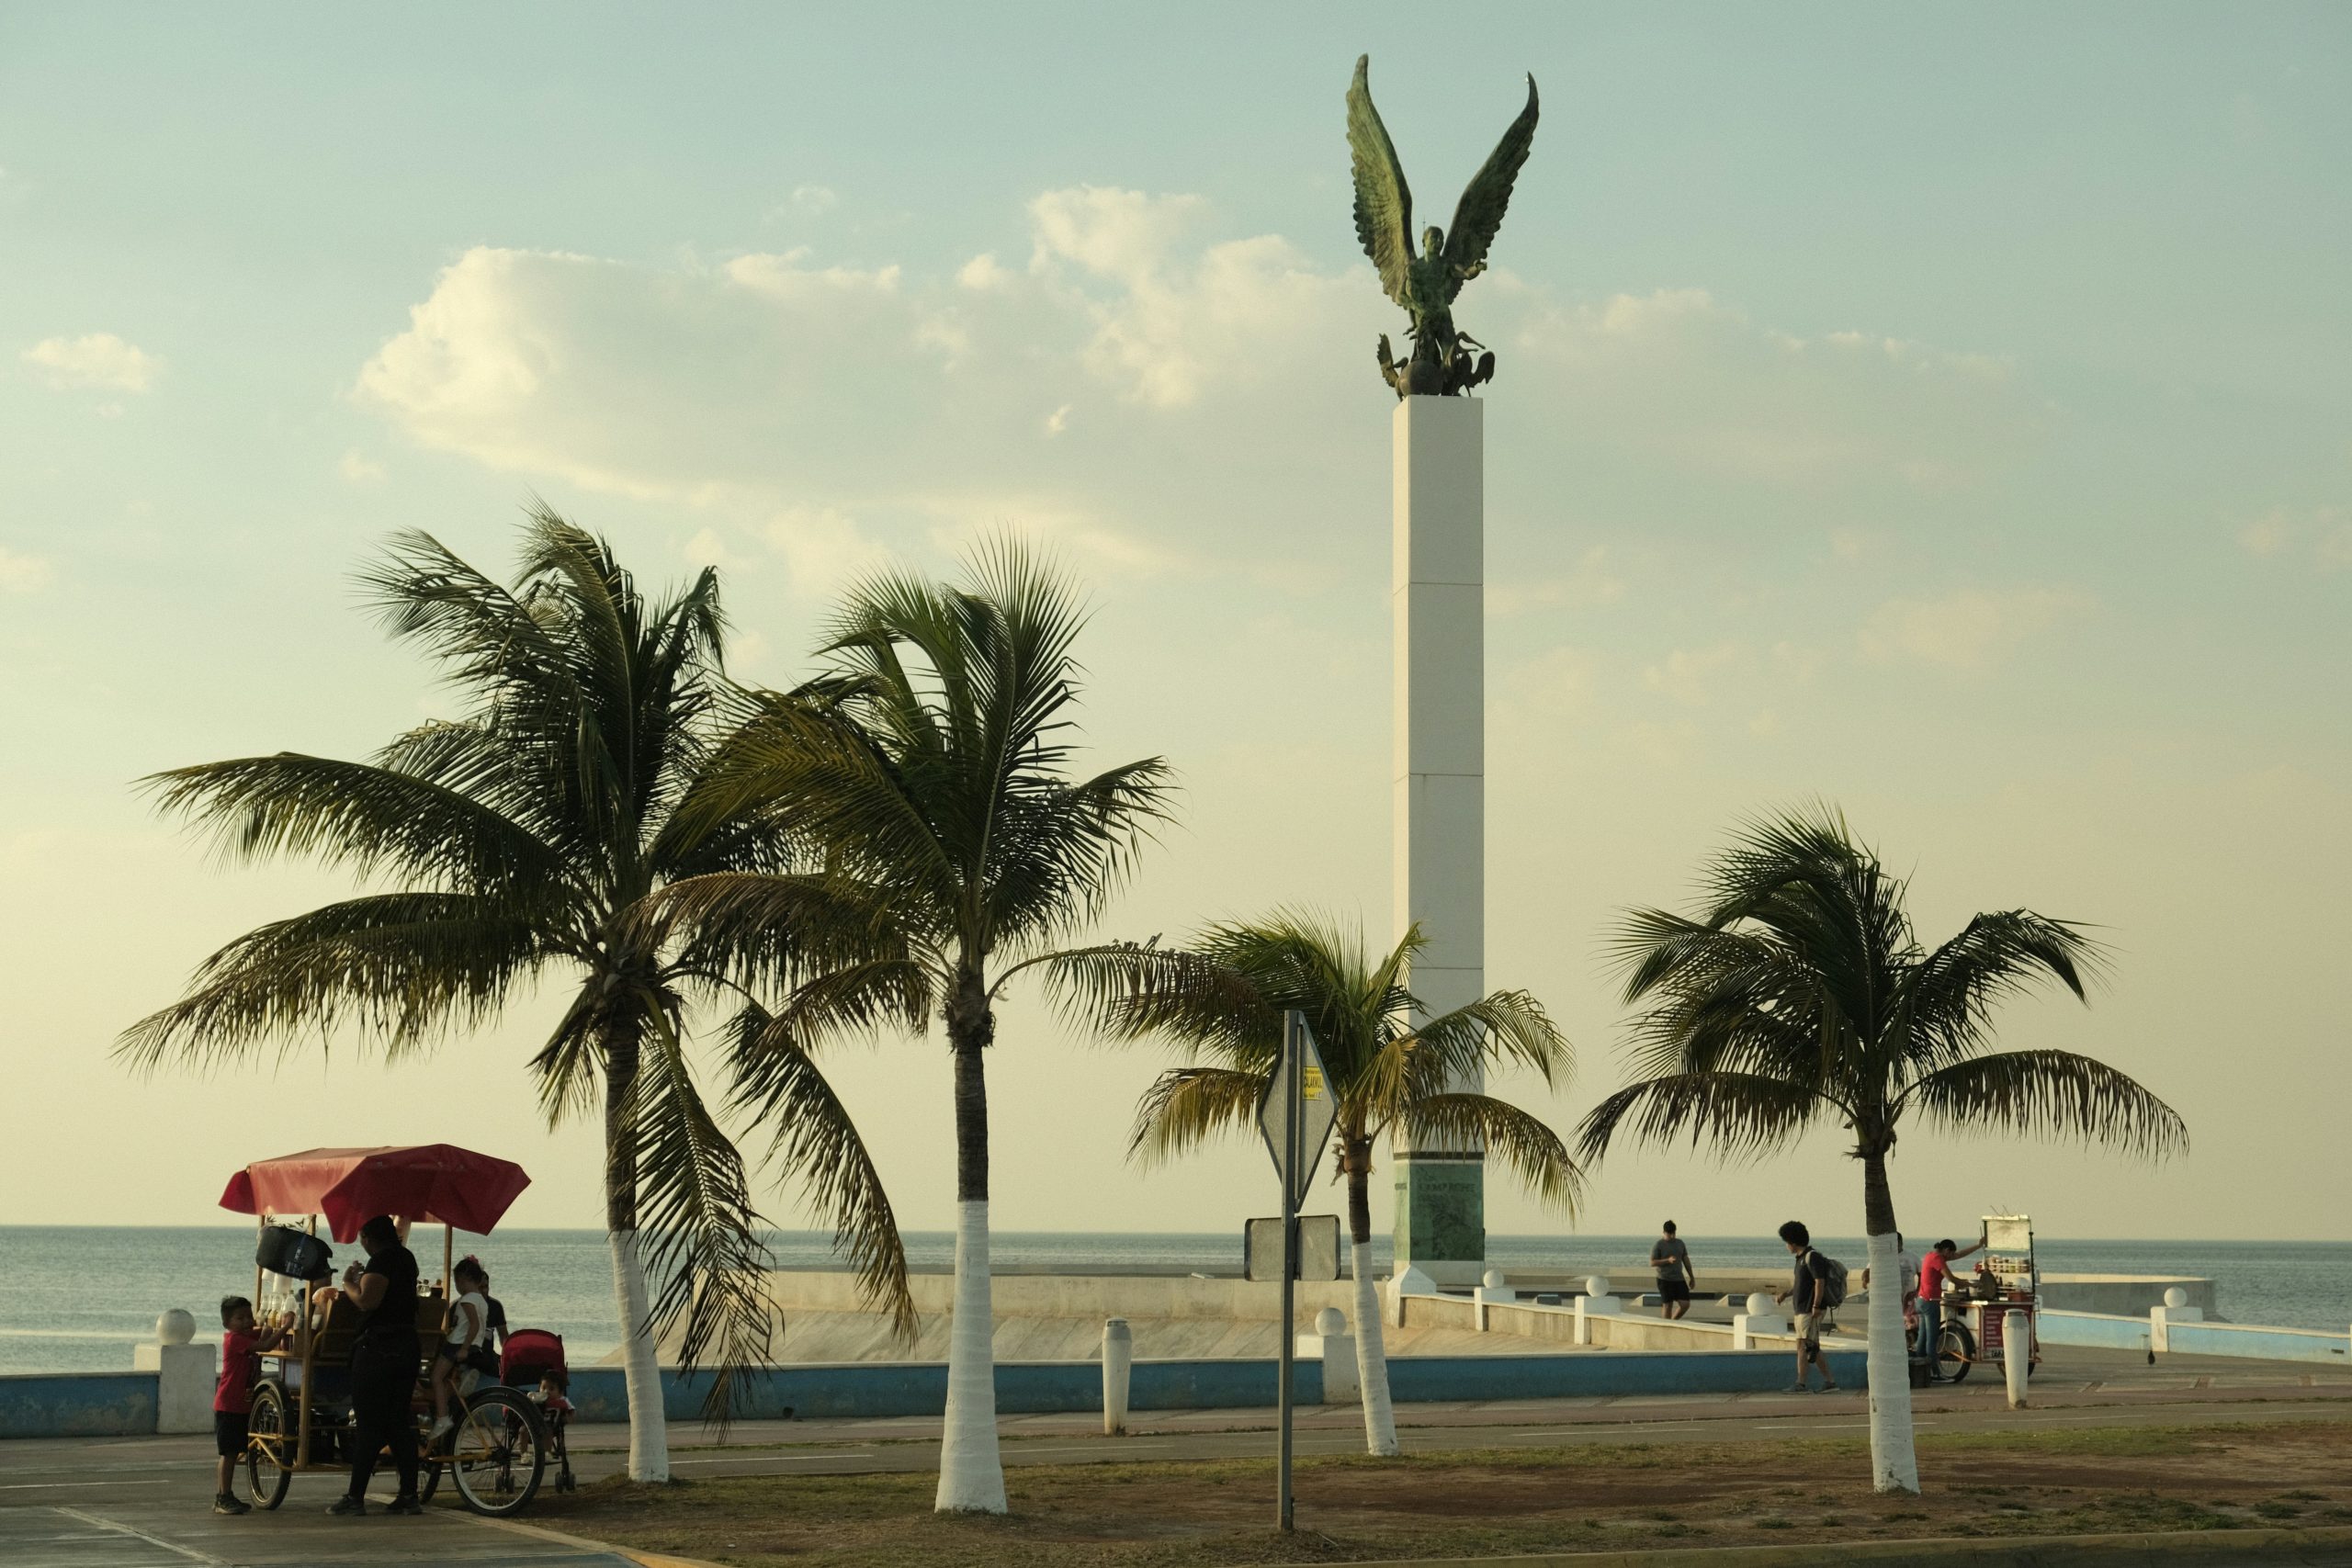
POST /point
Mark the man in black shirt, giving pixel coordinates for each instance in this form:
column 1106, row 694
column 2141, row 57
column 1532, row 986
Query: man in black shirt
column 384, row 1362
column 1804, row 1286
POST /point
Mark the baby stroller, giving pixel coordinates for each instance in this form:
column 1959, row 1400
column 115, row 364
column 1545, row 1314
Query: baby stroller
column 533, row 1360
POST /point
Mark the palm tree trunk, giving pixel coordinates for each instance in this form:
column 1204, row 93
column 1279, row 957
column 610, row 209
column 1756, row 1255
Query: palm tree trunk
column 1894, row 1463
column 1372, row 1355
column 971, row 1471
column 648, row 1434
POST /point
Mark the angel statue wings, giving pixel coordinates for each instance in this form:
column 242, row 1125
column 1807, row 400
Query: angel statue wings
column 1426, row 281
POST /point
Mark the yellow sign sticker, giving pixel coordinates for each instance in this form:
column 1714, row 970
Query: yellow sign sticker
column 1311, row 1083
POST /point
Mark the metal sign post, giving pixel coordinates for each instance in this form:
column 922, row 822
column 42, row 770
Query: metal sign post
column 1295, row 1114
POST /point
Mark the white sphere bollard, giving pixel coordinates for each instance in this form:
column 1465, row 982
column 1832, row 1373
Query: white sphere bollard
column 176, row 1326
column 1495, row 1280
column 1331, row 1320
column 1760, row 1303
column 2176, row 1297
column 1596, row 1285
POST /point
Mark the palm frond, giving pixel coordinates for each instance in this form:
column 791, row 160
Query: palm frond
column 2051, row 1093
column 779, row 1087
column 1128, row 990
column 702, row 1234
column 1186, row 1107
column 397, row 969
column 1524, row 1144
column 1950, row 996
column 1741, row 1115
column 368, row 819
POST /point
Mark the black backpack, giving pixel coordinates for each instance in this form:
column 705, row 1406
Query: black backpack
column 1830, row 1283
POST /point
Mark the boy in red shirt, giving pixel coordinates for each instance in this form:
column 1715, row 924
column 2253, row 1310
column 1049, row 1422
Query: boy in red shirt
column 242, row 1344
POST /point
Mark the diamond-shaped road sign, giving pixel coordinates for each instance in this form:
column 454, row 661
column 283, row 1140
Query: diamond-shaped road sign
column 1298, row 1078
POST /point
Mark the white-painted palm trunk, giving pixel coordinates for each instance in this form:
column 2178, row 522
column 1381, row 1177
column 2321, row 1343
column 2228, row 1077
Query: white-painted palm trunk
column 649, row 1435
column 1372, row 1362
column 1894, row 1464
column 971, row 1472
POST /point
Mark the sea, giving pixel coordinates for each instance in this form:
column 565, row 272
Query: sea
column 76, row 1299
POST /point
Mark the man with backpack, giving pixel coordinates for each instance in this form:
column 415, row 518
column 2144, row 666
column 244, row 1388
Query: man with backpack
column 1817, row 1287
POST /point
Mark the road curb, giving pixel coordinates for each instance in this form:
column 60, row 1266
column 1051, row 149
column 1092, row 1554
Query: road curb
column 2329, row 1546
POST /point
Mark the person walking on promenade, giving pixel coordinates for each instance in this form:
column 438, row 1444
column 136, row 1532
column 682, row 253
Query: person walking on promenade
column 1671, row 1259
column 1935, row 1270
column 1810, row 1303
column 384, row 1365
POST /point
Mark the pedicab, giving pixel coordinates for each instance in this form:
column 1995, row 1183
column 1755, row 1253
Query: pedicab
column 301, row 1414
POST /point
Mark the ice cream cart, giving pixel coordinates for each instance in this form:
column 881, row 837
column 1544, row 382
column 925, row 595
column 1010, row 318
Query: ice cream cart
column 1976, row 1308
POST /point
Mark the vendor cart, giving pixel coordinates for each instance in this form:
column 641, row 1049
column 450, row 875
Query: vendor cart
column 302, row 1411
column 1977, row 1309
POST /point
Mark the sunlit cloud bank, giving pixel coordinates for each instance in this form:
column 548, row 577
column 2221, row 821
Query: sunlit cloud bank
column 1150, row 394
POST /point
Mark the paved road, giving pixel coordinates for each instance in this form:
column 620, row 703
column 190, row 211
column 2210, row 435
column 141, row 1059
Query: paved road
column 141, row 1502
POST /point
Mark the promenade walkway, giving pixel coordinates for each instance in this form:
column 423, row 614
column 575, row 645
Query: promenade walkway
column 141, row 1502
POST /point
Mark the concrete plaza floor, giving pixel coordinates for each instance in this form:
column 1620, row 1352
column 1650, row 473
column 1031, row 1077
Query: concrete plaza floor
column 143, row 1502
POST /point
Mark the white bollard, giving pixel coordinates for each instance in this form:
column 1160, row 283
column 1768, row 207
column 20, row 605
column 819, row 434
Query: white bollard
column 1118, row 1364
column 184, row 1374
column 2162, row 1318
column 1332, row 1344
column 2016, row 1353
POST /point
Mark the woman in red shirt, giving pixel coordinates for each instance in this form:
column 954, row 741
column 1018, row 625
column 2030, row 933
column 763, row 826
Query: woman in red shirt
column 1934, row 1269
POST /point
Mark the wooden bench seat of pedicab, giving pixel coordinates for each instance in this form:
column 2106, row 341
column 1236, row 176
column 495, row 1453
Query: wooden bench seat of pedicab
column 333, row 1340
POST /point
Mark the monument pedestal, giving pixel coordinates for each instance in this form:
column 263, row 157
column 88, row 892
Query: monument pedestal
column 1439, row 811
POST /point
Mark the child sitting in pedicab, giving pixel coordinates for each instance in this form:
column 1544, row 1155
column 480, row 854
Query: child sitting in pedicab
column 468, row 1327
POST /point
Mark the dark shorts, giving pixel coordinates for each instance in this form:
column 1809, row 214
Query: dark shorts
column 1672, row 1291
column 229, row 1429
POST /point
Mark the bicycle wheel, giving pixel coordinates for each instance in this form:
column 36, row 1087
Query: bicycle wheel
column 497, row 1453
column 1955, row 1352
column 269, row 1436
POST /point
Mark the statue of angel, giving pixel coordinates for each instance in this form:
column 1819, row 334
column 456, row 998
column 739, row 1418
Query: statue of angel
column 1426, row 282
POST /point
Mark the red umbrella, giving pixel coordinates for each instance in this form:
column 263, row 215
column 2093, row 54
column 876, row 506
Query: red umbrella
column 434, row 1183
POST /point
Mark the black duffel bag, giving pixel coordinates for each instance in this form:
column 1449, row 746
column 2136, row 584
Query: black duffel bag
column 298, row 1255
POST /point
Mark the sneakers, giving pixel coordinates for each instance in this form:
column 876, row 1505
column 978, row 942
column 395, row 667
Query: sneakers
column 440, row 1429
column 348, row 1504
column 230, row 1503
column 1798, row 1388
column 405, row 1502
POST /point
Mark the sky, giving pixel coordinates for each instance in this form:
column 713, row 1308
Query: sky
column 1946, row 414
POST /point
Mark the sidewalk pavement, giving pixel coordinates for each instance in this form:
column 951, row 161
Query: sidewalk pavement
column 142, row 1502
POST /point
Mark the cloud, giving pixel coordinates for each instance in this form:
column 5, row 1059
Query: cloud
column 22, row 573
column 1176, row 321
column 1589, row 582
column 1147, row 392
column 1686, row 675
column 815, row 197
column 2282, row 531
column 1968, row 631
column 1553, row 684
column 360, row 468
column 1683, row 375
column 98, row 359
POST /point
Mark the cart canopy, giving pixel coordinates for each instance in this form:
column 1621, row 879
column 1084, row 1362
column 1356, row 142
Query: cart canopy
column 434, row 1183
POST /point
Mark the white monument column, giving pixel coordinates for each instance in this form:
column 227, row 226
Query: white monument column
column 1440, row 812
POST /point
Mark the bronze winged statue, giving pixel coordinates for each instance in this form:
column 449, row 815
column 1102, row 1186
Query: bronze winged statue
column 1426, row 281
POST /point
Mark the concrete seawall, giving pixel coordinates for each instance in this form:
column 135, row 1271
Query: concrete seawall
column 76, row 1404
column 123, row 1404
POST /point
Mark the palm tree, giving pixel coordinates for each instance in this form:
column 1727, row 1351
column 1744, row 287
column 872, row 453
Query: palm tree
column 1389, row 1074
column 955, row 849
column 1798, row 995
column 517, row 841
